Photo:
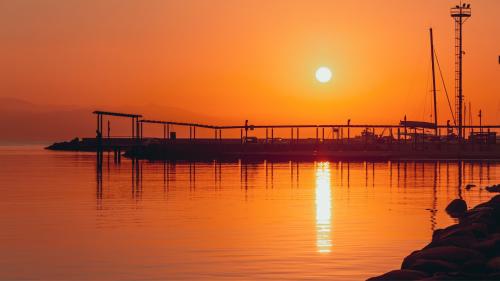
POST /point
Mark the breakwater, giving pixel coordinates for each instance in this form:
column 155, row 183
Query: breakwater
column 468, row 250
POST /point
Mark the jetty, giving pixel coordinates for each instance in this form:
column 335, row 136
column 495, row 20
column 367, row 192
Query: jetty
column 406, row 140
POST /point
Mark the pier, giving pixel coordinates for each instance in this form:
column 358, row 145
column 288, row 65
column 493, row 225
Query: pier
column 406, row 140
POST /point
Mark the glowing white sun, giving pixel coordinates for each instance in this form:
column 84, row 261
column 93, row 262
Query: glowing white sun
column 323, row 74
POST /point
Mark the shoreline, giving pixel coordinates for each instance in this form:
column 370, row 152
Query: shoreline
column 467, row 250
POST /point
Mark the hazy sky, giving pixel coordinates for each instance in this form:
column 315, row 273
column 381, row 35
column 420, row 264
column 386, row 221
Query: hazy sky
column 250, row 59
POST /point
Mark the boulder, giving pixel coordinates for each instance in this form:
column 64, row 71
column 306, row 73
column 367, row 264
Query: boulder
column 456, row 208
column 442, row 276
column 472, row 229
column 474, row 267
column 400, row 274
column 494, row 264
column 493, row 188
column 433, row 266
column 483, row 216
column 493, row 276
column 450, row 254
column 463, row 241
column 489, row 246
column 469, row 186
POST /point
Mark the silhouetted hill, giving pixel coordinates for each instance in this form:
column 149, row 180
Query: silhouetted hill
column 26, row 122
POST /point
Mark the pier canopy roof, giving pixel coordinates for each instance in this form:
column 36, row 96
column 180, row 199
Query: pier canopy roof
column 117, row 114
column 418, row 124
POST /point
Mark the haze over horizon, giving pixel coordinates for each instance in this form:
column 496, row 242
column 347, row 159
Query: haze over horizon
column 225, row 62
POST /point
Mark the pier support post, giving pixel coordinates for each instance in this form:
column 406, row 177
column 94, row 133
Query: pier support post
column 272, row 135
column 291, row 131
column 348, row 130
column 137, row 132
column 405, row 129
column 241, row 135
column 323, row 134
column 133, row 129
column 297, row 135
column 317, row 135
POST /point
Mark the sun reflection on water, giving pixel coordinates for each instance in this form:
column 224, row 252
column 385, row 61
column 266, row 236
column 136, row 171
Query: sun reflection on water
column 323, row 208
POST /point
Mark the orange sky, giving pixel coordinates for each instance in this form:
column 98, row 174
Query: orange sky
column 247, row 59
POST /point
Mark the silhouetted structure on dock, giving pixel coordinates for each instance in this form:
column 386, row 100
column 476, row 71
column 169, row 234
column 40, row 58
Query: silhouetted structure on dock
column 408, row 139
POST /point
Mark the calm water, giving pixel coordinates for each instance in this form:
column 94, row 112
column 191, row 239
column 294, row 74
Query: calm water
column 62, row 219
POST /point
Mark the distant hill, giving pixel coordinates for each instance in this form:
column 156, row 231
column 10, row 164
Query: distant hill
column 26, row 122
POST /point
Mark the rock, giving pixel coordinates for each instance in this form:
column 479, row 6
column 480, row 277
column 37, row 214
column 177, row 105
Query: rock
column 474, row 267
column 469, row 186
column 463, row 241
column 494, row 264
column 456, row 208
column 493, row 276
column 488, row 247
column 493, row 188
column 493, row 203
column 495, row 200
column 400, row 274
column 450, row 254
column 472, row 229
column 443, row 276
column 485, row 217
column 433, row 266
column 468, row 250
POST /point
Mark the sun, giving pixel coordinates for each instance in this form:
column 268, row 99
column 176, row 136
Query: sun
column 323, row 74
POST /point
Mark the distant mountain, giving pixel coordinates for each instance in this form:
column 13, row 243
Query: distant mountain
column 25, row 122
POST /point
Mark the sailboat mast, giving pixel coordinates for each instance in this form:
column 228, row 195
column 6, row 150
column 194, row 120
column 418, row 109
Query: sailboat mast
column 434, row 83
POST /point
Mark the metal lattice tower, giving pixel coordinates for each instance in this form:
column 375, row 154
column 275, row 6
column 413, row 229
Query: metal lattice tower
column 460, row 14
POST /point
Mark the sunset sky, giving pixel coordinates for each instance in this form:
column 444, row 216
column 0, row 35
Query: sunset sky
column 236, row 60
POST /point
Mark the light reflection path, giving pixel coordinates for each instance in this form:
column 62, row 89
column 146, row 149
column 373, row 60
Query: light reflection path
column 323, row 208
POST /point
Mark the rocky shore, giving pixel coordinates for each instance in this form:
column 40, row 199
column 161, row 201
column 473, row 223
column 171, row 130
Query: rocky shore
column 468, row 250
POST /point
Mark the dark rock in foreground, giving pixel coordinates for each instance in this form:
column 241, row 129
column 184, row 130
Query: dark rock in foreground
column 456, row 208
column 401, row 274
column 493, row 188
column 469, row 250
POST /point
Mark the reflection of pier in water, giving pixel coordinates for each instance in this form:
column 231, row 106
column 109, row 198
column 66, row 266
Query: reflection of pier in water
column 463, row 172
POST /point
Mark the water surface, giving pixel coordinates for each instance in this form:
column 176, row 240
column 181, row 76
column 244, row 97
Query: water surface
column 63, row 218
